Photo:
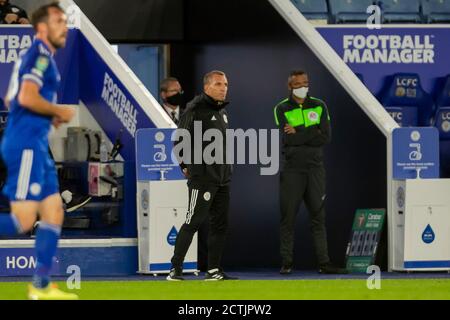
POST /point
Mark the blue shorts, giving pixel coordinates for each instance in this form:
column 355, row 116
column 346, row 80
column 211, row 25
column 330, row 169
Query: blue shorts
column 31, row 174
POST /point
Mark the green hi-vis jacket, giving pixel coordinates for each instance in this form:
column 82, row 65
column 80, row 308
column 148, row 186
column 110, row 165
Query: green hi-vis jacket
column 311, row 121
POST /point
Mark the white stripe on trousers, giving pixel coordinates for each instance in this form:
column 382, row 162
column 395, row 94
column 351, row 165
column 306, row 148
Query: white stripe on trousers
column 194, row 194
column 24, row 174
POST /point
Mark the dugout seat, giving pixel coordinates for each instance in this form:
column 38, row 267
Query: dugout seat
column 436, row 11
column 349, row 11
column 442, row 123
column 401, row 11
column 442, row 104
column 406, row 101
column 312, row 9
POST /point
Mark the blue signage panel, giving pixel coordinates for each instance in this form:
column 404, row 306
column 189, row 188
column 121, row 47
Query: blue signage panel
column 109, row 101
column 154, row 155
column 374, row 54
column 21, row 262
column 16, row 40
column 415, row 150
column 92, row 261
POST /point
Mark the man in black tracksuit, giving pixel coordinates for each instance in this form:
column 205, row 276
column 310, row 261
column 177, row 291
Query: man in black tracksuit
column 209, row 191
column 306, row 129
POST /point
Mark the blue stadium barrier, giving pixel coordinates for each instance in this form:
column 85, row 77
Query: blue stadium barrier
column 442, row 123
column 346, row 11
column 406, row 101
column 436, row 11
column 401, row 11
column 312, row 9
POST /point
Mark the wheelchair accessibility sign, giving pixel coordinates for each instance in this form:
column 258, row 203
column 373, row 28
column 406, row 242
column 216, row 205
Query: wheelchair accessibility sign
column 154, row 155
column 415, row 153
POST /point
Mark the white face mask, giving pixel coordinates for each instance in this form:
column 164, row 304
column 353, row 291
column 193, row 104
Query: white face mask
column 301, row 92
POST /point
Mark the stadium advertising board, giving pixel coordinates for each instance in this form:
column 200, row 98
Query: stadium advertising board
column 376, row 54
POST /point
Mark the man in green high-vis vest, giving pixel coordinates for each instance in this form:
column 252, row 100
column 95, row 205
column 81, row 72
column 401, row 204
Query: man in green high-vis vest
column 305, row 125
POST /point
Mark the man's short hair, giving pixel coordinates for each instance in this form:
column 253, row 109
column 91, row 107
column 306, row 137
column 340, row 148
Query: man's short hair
column 164, row 85
column 295, row 73
column 209, row 75
column 42, row 13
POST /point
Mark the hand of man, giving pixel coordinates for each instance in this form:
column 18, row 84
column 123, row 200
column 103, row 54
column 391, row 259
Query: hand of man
column 186, row 173
column 24, row 21
column 11, row 18
column 289, row 129
column 56, row 123
column 65, row 114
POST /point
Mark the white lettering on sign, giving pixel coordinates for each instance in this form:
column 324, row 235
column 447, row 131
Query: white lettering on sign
column 12, row 46
column 119, row 104
column 388, row 49
column 407, row 82
column 20, row 262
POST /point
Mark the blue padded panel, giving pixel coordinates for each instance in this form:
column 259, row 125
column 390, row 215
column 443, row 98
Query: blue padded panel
column 405, row 116
column 442, row 122
column 405, row 90
column 443, row 97
column 360, row 77
column 401, row 10
column 312, row 9
column 344, row 11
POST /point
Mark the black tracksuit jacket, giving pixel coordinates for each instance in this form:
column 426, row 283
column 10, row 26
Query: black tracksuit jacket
column 212, row 115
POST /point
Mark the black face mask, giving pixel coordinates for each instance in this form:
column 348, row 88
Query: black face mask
column 176, row 100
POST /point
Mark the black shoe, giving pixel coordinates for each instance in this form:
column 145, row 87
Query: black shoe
column 227, row 277
column 286, row 269
column 176, row 274
column 331, row 269
column 218, row 275
column 76, row 202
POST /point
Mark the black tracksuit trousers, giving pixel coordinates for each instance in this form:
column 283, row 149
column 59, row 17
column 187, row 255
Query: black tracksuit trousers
column 296, row 186
column 204, row 201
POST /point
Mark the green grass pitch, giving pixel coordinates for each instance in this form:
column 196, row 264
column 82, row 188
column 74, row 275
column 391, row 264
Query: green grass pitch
column 248, row 289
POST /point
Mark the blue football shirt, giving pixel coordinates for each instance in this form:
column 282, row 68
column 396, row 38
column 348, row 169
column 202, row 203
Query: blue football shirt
column 24, row 128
